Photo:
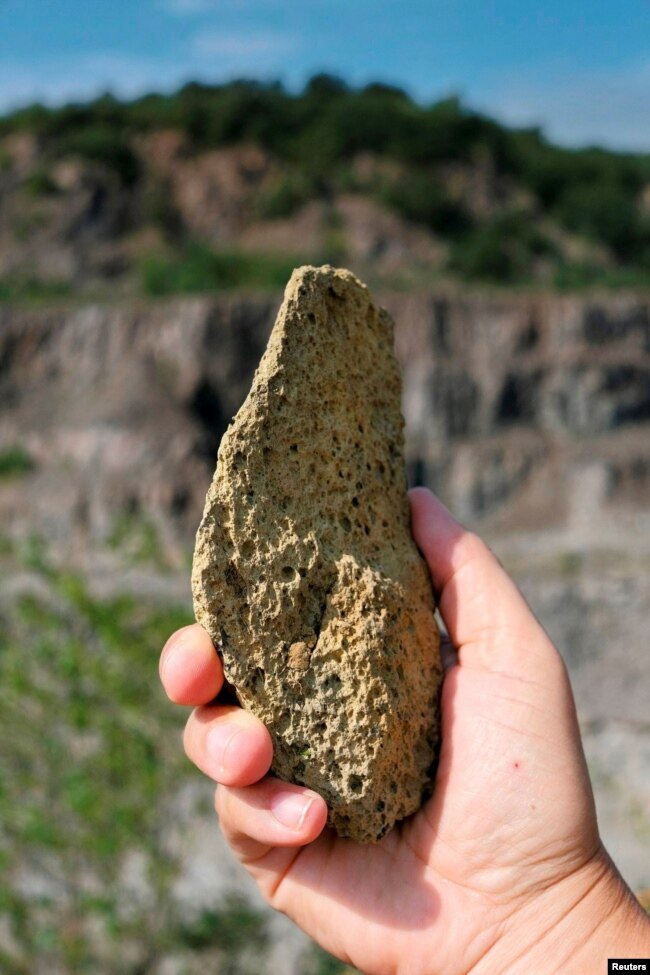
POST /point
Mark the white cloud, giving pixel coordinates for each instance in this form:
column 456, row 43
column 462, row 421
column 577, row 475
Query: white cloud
column 609, row 108
column 244, row 45
column 189, row 7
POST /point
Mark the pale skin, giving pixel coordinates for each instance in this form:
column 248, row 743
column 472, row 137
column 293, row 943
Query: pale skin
column 502, row 871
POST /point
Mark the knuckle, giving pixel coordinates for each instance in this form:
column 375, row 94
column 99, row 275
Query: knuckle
column 476, row 552
column 474, row 544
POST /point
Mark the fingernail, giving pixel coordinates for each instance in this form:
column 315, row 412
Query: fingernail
column 291, row 808
column 223, row 744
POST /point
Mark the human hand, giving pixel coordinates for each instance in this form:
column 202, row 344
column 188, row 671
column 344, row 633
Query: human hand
column 502, row 870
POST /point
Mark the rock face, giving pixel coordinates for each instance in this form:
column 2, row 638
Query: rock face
column 305, row 572
column 515, row 405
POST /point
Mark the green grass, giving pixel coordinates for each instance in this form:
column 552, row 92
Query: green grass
column 15, row 461
column 571, row 563
column 89, row 756
column 322, row 963
column 27, row 289
column 198, row 268
column 136, row 538
column 90, row 764
column 580, row 277
column 6, row 545
column 232, row 927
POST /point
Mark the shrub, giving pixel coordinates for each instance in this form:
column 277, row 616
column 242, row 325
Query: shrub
column 420, row 197
column 292, row 191
column 31, row 289
column 576, row 276
column 40, row 183
column 240, row 111
column 199, row 268
column 605, row 212
column 103, row 144
column 159, row 209
column 15, row 461
column 501, row 251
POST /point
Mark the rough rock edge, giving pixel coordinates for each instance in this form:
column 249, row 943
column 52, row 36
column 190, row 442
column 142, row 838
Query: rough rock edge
column 305, row 572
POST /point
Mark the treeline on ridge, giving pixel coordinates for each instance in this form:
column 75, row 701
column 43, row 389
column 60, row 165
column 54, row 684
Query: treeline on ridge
column 317, row 133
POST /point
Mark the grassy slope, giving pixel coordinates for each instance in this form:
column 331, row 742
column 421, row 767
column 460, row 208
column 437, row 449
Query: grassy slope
column 90, row 758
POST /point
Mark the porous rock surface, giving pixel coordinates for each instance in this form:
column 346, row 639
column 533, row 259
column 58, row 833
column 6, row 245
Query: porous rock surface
column 305, row 573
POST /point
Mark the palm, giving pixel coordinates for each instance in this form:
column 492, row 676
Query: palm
column 511, row 814
column 447, row 874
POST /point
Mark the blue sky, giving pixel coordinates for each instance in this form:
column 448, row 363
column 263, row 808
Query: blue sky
column 581, row 68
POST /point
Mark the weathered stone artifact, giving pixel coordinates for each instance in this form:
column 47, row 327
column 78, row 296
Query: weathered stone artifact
column 305, row 573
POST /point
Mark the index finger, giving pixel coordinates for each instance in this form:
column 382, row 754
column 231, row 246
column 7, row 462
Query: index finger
column 190, row 668
column 486, row 615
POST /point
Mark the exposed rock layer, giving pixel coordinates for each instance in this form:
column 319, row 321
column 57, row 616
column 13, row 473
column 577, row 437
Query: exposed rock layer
column 135, row 435
column 305, row 572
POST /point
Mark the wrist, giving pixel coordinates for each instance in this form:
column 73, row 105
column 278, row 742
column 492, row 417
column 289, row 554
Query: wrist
column 573, row 927
column 613, row 923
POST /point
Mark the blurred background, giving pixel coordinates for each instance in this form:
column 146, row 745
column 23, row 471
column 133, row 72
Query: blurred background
column 163, row 167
